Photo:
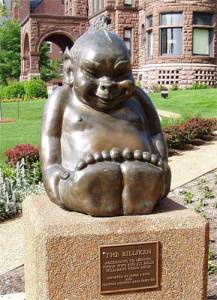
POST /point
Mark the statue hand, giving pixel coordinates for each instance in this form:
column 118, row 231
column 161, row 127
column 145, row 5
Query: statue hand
column 52, row 177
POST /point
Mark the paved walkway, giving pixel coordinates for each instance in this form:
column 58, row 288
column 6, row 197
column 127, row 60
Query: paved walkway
column 168, row 114
column 11, row 245
column 14, row 296
column 185, row 167
column 192, row 164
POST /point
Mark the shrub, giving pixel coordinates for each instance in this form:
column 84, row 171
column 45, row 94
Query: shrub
column 198, row 86
column 157, row 88
column 174, row 87
column 35, row 88
column 15, row 89
column 179, row 135
column 14, row 187
column 33, row 173
column 28, row 89
column 22, row 151
column 138, row 83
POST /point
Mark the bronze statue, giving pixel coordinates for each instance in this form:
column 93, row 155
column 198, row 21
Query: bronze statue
column 102, row 148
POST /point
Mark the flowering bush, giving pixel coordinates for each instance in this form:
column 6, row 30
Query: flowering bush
column 15, row 185
column 196, row 128
column 22, row 151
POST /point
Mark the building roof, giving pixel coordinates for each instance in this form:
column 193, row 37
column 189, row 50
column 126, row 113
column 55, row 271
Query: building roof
column 34, row 4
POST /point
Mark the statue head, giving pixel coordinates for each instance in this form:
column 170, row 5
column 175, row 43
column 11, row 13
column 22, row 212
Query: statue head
column 98, row 67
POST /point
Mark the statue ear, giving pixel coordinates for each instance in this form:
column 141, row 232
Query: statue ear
column 68, row 67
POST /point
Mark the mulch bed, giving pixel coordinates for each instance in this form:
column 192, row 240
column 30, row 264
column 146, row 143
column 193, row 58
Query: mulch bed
column 12, row 282
column 201, row 195
column 7, row 120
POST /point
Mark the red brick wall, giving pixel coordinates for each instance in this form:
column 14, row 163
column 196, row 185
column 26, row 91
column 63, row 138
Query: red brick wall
column 23, row 9
column 155, row 7
column 76, row 8
column 50, row 7
column 129, row 18
column 56, row 52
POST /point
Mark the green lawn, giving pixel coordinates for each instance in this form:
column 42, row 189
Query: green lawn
column 24, row 130
column 189, row 102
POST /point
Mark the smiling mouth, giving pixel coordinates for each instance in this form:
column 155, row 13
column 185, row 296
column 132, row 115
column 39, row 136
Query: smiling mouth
column 105, row 98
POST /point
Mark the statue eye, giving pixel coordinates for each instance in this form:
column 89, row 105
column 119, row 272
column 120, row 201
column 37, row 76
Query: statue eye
column 91, row 72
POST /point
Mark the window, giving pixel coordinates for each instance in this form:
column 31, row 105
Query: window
column 101, row 4
column 171, row 33
column 149, row 43
column 149, row 21
column 149, row 36
column 49, row 45
column 128, row 38
column 142, row 35
column 96, row 6
column 128, row 3
column 203, row 19
column 203, row 34
column 61, row 69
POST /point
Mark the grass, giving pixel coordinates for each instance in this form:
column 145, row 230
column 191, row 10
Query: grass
column 26, row 128
column 189, row 103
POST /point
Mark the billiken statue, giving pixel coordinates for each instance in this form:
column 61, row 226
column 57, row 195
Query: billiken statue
column 102, row 148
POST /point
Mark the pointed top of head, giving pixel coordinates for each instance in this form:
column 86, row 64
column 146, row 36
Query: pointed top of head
column 67, row 53
column 102, row 22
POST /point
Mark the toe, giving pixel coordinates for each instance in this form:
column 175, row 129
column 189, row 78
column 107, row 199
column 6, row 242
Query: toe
column 154, row 159
column 127, row 154
column 98, row 156
column 160, row 163
column 89, row 158
column 106, row 155
column 81, row 165
column 138, row 155
column 116, row 154
column 146, row 156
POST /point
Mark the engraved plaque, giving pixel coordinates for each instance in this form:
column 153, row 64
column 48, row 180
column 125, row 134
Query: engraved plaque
column 129, row 267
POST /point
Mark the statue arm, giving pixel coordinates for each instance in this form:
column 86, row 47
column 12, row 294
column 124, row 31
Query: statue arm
column 50, row 153
column 154, row 123
column 156, row 135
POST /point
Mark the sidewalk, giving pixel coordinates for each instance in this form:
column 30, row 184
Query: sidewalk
column 11, row 246
column 15, row 296
column 192, row 164
column 185, row 167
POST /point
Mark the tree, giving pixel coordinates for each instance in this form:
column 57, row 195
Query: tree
column 49, row 68
column 3, row 11
column 9, row 51
column 10, row 48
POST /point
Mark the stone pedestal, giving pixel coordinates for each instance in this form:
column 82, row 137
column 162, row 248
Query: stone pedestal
column 63, row 260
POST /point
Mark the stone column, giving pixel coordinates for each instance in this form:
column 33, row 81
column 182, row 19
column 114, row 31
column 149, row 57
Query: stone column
column 25, row 66
column 34, row 65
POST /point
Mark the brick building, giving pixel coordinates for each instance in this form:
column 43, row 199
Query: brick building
column 171, row 41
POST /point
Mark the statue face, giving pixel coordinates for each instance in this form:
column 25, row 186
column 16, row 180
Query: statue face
column 102, row 76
